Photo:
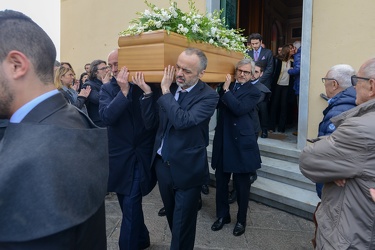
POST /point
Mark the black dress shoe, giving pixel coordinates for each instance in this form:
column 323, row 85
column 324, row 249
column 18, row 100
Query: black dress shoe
column 162, row 212
column 200, row 203
column 232, row 196
column 253, row 178
column 239, row 229
column 264, row 133
column 220, row 223
column 205, row 189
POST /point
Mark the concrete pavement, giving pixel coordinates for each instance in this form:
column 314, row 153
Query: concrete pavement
column 267, row 228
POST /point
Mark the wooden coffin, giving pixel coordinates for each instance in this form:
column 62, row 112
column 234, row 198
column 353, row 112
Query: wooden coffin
column 151, row 52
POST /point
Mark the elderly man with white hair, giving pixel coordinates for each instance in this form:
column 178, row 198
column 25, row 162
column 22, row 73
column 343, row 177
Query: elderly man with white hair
column 344, row 161
column 341, row 94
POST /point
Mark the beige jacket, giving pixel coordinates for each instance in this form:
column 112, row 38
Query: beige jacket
column 346, row 217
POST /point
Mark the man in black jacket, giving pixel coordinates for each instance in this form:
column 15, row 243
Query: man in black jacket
column 59, row 198
column 265, row 57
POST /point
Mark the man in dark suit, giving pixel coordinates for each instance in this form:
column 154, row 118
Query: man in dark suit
column 130, row 151
column 59, row 197
column 264, row 91
column 265, row 58
column 3, row 126
column 254, row 114
column 235, row 147
column 180, row 155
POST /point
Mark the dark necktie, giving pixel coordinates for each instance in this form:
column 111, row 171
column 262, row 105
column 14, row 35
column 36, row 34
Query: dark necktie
column 236, row 87
column 164, row 149
column 182, row 95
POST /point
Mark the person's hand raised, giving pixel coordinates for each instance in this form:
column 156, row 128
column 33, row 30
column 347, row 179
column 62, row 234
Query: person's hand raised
column 85, row 92
column 122, row 80
column 167, row 79
column 107, row 77
column 228, row 80
column 139, row 80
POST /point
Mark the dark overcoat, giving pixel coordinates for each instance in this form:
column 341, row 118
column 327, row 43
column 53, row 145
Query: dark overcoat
column 53, row 175
column 235, row 143
column 130, row 142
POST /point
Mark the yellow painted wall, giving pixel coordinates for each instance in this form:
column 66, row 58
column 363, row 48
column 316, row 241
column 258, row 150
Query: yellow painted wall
column 343, row 32
column 89, row 28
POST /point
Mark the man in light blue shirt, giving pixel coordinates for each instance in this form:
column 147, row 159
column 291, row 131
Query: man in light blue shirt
column 59, row 198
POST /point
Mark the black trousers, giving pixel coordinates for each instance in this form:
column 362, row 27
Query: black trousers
column 181, row 207
column 241, row 182
column 279, row 108
column 263, row 114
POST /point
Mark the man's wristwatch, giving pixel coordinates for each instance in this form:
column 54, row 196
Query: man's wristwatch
column 147, row 95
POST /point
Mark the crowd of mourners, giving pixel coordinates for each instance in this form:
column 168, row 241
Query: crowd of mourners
column 65, row 143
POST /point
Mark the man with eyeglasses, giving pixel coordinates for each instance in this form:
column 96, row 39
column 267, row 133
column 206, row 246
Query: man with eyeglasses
column 99, row 74
column 235, row 147
column 341, row 96
column 344, row 161
column 257, row 72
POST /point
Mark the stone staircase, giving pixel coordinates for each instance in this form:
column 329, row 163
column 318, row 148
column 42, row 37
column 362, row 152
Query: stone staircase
column 280, row 183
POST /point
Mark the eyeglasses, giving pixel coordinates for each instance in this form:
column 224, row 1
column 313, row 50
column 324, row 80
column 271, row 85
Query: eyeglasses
column 324, row 79
column 104, row 68
column 355, row 79
column 246, row 73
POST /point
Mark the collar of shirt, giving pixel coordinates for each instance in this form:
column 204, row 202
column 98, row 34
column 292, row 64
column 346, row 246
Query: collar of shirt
column 179, row 89
column 237, row 82
column 18, row 116
column 255, row 81
column 259, row 50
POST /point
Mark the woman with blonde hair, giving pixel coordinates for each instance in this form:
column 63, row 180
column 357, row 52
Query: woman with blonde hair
column 64, row 83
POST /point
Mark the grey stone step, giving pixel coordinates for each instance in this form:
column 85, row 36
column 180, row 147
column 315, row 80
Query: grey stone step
column 285, row 172
column 286, row 197
column 279, row 150
column 280, row 184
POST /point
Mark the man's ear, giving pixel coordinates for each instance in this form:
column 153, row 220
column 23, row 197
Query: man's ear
column 201, row 74
column 335, row 85
column 371, row 92
column 18, row 64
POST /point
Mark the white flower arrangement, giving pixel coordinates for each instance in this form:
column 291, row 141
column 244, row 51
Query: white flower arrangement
column 209, row 28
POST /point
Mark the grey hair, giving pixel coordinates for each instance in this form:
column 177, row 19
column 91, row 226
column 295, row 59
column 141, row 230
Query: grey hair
column 202, row 57
column 342, row 74
column 244, row 62
column 297, row 44
column 369, row 68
